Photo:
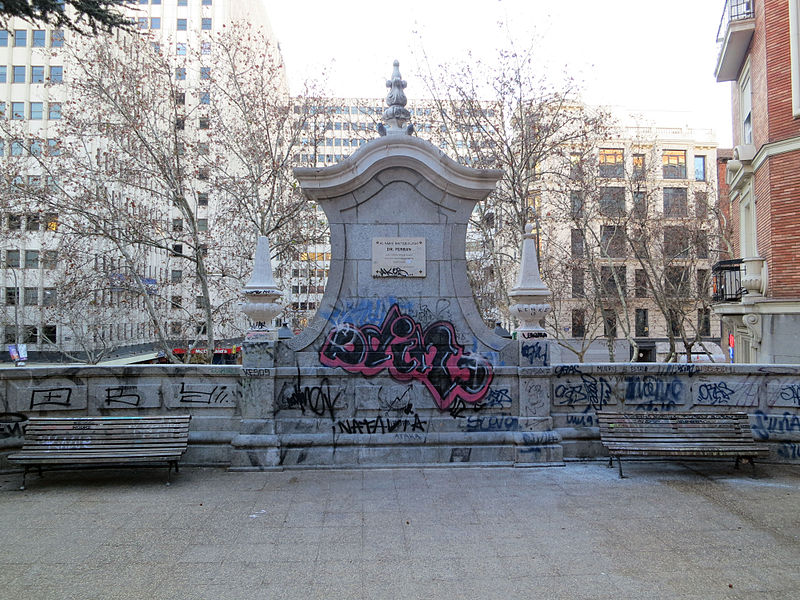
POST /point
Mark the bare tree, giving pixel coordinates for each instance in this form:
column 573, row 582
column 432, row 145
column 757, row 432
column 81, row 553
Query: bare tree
column 504, row 114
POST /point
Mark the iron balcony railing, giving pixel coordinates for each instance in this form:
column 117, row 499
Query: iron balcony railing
column 727, row 281
column 735, row 10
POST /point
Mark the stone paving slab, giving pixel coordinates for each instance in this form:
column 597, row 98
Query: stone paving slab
column 671, row 530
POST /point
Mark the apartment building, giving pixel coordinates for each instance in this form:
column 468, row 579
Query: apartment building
column 627, row 246
column 37, row 263
column 757, row 288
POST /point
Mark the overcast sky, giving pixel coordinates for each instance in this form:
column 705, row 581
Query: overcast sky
column 635, row 54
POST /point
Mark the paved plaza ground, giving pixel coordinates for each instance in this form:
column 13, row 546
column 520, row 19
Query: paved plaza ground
column 670, row 530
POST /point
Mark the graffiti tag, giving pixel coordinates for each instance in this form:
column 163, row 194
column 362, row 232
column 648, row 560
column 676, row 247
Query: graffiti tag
column 401, row 346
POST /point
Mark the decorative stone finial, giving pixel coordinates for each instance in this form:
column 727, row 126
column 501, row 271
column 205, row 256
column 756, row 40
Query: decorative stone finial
column 396, row 116
column 530, row 293
column 261, row 293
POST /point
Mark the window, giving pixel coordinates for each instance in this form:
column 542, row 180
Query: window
column 30, row 333
column 674, row 322
column 203, row 148
column 676, row 281
column 180, row 123
column 202, row 224
column 613, row 281
column 49, row 297
column 175, row 328
column 609, row 323
column 3, row 39
column 176, row 302
column 638, row 166
column 53, row 147
column 16, row 147
column 203, row 174
column 54, row 111
column 57, row 38
column 180, row 98
column 3, row 73
column 18, row 74
column 11, row 334
column 50, row 221
column 577, row 244
column 180, row 73
column 142, row 22
column 17, row 111
column 14, row 222
column 576, row 204
column 198, row 302
column 640, row 287
column 180, row 49
column 202, row 199
column 205, row 72
column 31, row 259
column 612, row 201
column 674, row 164
column 20, row 38
column 182, row 2
column 675, row 202
column 50, row 259
column 701, row 205
column 699, row 168
column 205, row 47
column 611, row 162
column 641, row 323
column 703, row 283
column 204, row 123
column 49, row 334
column 704, row 322
column 612, row 239
column 701, row 243
column 578, row 290
column 176, row 276
column 32, row 222
column 676, row 243
column 206, row 2
column 12, row 259
column 37, row 109
column 181, row 25
column 746, row 108
column 39, row 39
column 205, row 24
column 12, row 296
column 31, row 296
column 578, row 323
column 205, row 98
column 177, row 224
column 155, row 23
column 177, row 249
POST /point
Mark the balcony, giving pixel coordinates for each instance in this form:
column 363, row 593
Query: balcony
column 727, row 281
column 735, row 31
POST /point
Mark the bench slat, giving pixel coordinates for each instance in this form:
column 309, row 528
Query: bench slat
column 678, row 434
column 82, row 441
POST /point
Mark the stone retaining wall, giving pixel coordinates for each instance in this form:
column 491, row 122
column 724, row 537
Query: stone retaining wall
column 311, row 417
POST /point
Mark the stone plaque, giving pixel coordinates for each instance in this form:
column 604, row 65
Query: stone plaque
column 398, row 257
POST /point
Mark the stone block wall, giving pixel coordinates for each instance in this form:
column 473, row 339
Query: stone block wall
column 257, row 418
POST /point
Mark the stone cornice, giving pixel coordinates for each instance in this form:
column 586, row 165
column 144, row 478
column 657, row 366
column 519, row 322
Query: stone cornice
column 396, row 151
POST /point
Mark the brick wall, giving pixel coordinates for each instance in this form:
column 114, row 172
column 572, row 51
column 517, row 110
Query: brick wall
column 784, row 200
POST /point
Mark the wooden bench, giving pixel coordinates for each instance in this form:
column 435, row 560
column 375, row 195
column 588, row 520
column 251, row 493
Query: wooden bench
column 87, row 442
column 678, row 435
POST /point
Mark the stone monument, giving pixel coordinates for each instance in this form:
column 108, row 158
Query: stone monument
column 397, row 366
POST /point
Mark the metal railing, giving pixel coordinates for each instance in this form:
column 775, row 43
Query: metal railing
column 726, row 278
column 735, row 10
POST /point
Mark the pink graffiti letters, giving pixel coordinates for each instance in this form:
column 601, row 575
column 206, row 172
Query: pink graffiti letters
column 400, row 345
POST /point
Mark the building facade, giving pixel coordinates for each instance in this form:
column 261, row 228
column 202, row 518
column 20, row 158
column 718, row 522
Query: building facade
column 39, row 265
column 757, row 290
column 627, row 246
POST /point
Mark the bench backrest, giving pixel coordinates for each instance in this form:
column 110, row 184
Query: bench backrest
column 671, row 426
column 108, row 433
